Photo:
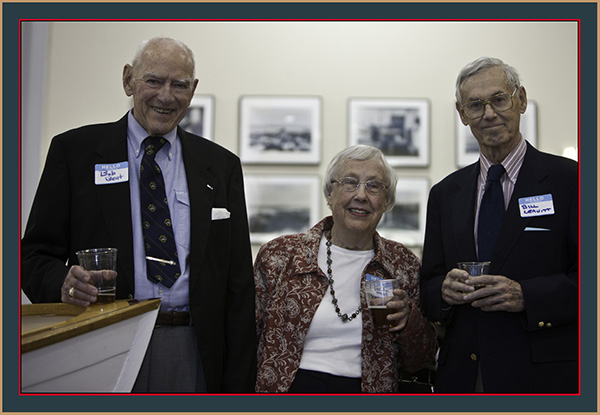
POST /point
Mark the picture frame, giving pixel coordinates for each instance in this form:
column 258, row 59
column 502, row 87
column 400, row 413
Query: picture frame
column 400, row 128
column 280, row 129
column 467, row 148
column 281, row 205
column 405, row 223
column 200, row 117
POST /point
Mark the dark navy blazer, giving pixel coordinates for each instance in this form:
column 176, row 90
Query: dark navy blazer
column 535, row 351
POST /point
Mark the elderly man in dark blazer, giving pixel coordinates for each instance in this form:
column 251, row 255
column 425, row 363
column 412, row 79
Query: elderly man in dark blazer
column 204, row 340
column 519, row 332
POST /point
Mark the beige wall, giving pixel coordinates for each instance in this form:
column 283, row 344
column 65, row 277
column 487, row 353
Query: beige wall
column 334, row 60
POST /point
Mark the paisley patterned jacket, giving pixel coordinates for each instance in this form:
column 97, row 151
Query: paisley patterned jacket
column 289, row 288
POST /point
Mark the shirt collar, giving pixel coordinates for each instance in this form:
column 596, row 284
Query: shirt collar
column 137, row 134
column 511, row 163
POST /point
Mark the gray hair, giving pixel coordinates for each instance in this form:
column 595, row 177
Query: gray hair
column 482, row 64
column 161, row 42
column 361, row 153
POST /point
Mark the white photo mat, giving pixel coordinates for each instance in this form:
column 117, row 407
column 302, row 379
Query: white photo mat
column 200, row 116
column 405, row 223
column 400, row 128
column 281, row 205
column 280, row 129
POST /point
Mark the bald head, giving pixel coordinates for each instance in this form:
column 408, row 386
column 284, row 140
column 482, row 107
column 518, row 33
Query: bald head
column 162, row 82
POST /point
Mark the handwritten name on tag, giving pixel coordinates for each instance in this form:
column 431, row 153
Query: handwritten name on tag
column 536, row 206
column 111, row 173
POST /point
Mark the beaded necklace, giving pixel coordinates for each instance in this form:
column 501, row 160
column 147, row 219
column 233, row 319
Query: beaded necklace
column 344, row 316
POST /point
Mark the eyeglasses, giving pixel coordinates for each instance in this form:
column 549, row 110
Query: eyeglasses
column 499, row 102
column 351, row 184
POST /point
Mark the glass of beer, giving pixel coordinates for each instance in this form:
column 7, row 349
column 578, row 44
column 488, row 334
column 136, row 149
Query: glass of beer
column 475, row 269
column 102, row 265
column 378, row 293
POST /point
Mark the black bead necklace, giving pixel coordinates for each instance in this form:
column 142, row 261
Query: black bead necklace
column 344, row 316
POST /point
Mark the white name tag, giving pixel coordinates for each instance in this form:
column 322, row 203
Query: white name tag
column 111, row 173
column 536, row 206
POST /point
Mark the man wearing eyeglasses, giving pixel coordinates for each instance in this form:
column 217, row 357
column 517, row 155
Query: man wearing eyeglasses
column 514, row 329
column 175, row 209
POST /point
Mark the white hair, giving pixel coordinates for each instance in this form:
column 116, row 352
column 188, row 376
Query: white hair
column 161, row 42
column 361, row 153
column 482, row 64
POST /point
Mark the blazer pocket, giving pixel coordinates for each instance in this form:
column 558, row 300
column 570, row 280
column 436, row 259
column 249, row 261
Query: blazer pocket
column 555, row 344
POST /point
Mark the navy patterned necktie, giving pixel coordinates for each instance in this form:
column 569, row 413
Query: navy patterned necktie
column 491, row 213
column 162, row 263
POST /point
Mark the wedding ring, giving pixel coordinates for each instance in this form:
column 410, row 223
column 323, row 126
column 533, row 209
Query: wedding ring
column 72, row 292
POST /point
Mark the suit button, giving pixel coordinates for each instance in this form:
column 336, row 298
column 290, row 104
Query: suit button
column 549, row 325
column 473, row 357
column 370, row 379
column 369, row 337
column 541, row 324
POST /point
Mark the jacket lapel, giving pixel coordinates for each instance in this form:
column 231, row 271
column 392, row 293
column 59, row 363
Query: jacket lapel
column 463, row 212
column 202, row 187
column 114, row 199
column 529, row 183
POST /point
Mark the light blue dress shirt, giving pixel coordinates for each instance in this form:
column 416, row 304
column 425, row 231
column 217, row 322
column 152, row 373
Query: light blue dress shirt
column 170, row 160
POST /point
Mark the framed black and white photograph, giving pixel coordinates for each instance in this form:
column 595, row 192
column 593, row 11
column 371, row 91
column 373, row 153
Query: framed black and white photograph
column 200, row 116
column 281, row 205
column 405, row 223
column 398, row 127
column 467, row 148
column 280, row 130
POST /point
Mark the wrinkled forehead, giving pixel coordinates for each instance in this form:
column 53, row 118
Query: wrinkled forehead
column 369, row 169
column 485, row 84
column 166, row 62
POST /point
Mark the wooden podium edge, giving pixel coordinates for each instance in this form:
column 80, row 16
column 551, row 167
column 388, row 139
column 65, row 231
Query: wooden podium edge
column 84, row 320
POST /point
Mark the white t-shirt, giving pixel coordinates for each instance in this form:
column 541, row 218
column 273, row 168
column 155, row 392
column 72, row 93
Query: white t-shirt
column 331, row 345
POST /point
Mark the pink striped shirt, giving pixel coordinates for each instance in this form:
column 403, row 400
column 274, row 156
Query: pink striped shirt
column 512, row 164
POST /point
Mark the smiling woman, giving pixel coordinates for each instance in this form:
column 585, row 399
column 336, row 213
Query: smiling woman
column 316, row 333
column 357, row 210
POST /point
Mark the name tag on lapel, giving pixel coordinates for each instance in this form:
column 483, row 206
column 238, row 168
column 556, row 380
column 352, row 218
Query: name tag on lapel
column 111, row 173
column 536, row 206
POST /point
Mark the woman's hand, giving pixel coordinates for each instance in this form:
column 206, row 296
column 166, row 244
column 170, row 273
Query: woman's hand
column 401, row 306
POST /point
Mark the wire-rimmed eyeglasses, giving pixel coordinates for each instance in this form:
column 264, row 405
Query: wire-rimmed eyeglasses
column 499, row 103
column 351, row 184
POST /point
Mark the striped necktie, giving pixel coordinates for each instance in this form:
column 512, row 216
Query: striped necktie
column 162, row 263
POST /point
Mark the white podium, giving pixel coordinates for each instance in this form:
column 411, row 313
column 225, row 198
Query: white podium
column 72, row 349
